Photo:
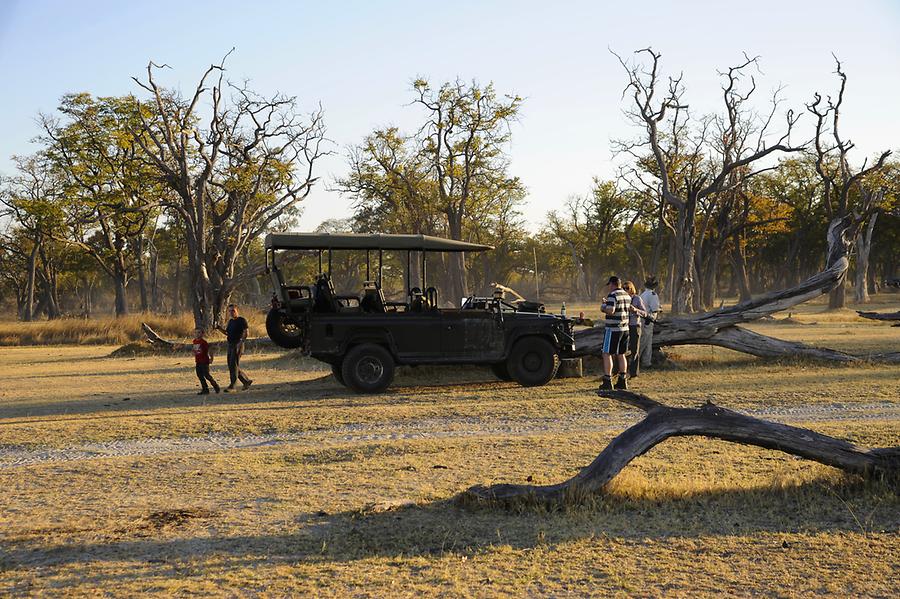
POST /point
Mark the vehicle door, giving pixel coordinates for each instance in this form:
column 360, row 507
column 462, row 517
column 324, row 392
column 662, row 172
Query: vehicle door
column 417, row 335
column 471, row 335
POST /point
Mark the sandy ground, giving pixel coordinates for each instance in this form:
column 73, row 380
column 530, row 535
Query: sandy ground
column 118, row 480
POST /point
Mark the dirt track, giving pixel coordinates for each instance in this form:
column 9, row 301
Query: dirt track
column 431, row 428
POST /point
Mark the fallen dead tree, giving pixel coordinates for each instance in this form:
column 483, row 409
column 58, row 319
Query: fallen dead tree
column 879, row 315
column 720, row 327
column 219, row 346
column 663, row 422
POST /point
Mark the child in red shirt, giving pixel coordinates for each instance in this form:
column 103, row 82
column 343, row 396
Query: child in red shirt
column 203, row 360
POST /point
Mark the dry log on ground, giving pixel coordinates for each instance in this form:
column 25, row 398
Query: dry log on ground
column 720, row 327
column 709, row 420
column 218, row 346
column 879, row 315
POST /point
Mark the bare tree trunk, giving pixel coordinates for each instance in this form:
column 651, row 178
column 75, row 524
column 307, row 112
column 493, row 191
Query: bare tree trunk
column 28, row 311
column 176, row 288
column 121, row 303
column 663, row 422
column 739, row 264
column 458, row 285
column 837, row 299
column 154, row 278
column 863, row 249
column 141, row 275
column 669, row 291
column 683, row 299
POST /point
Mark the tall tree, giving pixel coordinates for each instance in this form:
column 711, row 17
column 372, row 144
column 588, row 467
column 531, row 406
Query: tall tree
column 31, row 199
column 463, row 140
column 232, row 177
column 695, row 160
column 111, row 195
column 846, row 190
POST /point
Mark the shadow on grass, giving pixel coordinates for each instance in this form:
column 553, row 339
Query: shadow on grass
column 411, row 385
column 446, row 527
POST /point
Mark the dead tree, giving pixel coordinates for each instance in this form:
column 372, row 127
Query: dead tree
column 160, row 343
column 879, row 315
column 235, row 163
column 663, row 422
column 846, row 192
column 720, row 327
column 680, row 151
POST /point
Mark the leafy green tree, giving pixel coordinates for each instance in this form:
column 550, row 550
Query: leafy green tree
column 110, row 194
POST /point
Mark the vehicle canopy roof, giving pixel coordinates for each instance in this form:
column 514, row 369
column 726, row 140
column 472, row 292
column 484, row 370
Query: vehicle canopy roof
column 368, row 241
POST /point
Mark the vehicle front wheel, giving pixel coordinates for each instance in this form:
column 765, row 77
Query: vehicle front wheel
column 368, row 368
column 532, row 362
column 501, row 371
column 283, row 330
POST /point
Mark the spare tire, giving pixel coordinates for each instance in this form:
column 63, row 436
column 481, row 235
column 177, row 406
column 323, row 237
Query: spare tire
column 283, row 330
column 532, row 362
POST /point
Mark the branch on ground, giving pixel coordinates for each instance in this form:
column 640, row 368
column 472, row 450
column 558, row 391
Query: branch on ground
column 709, row 420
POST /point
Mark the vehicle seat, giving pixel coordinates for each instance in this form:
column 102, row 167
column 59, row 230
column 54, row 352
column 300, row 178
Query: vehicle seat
column 431, row 299
column 373, row 298
column 416, row 300
column 326, row 300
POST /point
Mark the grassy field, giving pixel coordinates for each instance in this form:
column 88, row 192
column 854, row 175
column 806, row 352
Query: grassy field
column 117, row 479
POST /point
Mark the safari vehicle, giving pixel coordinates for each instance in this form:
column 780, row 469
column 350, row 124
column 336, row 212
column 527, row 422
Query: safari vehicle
column 363, row 336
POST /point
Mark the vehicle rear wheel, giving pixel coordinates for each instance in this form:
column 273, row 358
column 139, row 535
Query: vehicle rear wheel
column 337, row 372
column 368, row 368
column 532, row 362
column 501, row 371
column 283, row 330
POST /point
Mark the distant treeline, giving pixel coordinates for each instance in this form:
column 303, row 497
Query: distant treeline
column 158, row 201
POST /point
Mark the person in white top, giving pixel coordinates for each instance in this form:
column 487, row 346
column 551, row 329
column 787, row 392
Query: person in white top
column 651, row 302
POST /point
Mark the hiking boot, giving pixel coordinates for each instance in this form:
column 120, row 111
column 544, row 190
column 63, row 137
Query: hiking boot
column 622, row 383
column 605, row 385
column 247, row 385
column 228, row 389
column 216, row 387
column 203, row 392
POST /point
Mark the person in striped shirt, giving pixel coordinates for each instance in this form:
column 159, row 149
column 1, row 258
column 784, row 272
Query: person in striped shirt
column 617, row 308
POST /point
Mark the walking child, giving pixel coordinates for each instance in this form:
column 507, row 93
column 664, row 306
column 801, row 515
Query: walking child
column 203, row 359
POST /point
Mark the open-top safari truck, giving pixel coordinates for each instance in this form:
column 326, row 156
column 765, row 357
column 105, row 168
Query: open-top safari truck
column 364, row 336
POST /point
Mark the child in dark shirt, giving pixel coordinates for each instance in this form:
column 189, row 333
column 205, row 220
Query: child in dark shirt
column 203, row 359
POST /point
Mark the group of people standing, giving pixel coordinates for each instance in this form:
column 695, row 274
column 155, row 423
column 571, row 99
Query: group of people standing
column 628, row 333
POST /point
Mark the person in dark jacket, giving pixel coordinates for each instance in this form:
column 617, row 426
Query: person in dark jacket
column 236, row 330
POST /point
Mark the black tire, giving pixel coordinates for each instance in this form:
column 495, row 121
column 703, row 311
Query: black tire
column 532, row 362
column 368, row 368
column 501, row 371
column 337, row 372
column 283, row 330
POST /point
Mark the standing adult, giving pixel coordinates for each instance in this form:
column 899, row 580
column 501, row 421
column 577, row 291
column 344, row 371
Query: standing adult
column 236, row 332
column 617, row 306
column 652, row 307
column 635, row 320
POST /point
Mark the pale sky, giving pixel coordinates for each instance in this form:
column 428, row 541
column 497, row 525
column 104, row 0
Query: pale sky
column 359, row 58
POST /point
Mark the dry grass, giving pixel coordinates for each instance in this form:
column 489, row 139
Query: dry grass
column 361, row 501
column 105, row 330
